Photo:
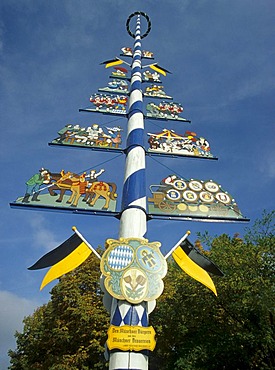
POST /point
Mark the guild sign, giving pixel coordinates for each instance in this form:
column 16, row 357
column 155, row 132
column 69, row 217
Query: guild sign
column 66, row 190
column 192, row 198
column 165, row 110
column 93, row 136
column 131, row 338
column 134, row 269
column 187, row 144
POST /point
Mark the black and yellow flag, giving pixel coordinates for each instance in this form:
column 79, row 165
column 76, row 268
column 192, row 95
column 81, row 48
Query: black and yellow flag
column 195, row 264
column 63, row 259
column 112, row 62
column 159, row 69
column 199, row 258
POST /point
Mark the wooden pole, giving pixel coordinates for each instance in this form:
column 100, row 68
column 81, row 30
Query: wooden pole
column 133, row 217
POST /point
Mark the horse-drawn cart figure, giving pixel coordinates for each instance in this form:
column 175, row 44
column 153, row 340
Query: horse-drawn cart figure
column 66, row 190
column 192, row 198
column 163, row 198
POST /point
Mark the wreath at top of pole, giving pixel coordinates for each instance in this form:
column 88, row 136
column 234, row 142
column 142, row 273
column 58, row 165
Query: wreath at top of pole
column 148, row 24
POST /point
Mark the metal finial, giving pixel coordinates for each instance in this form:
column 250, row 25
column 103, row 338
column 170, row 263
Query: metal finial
column 148, row 24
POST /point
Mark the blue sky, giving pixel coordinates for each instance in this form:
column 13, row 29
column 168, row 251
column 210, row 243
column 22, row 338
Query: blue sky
column 221, row 55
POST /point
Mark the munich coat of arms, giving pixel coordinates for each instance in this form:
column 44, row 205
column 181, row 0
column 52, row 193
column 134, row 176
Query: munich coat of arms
column 133, row 269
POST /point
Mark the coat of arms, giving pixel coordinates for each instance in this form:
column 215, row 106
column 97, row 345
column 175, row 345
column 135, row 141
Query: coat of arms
column 133, row 269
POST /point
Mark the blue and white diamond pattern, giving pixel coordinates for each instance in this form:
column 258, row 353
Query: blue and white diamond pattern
column 126, row 314
column 120, row 257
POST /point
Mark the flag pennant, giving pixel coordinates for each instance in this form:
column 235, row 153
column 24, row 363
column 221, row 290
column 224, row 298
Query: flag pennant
column 57, row 254
column 69, row 263
column 192, row 269
column 159, row 69
column 199, row 258
column 112, row 62
column 63, row 259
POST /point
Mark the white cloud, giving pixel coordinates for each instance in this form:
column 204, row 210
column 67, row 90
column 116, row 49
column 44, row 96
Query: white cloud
column 267, row 165
column 12, row 311
column 42, row 235
column 1, row 37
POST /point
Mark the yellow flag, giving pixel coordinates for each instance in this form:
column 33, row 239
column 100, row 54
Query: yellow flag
column 113, row 63
column 67, row 264
column 158, row 69
column 192, row 269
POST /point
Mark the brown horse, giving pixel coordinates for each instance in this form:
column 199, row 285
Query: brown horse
column 55, row 184
column 79, row 186
column 101, row 189
column 75, row 183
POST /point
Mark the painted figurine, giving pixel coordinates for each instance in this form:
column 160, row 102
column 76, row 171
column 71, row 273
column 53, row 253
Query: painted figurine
column 34, row 183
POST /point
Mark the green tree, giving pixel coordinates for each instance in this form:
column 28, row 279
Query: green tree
column 69, row 332
column 235, row 330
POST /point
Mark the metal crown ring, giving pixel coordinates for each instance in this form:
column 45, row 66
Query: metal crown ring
column 148, row 24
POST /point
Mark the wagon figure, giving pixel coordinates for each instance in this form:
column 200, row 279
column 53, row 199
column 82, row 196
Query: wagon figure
column 164, row 197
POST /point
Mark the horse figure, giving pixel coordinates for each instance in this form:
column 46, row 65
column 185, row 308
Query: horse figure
column 101, row 189
column 55, row 184
column 78, row 186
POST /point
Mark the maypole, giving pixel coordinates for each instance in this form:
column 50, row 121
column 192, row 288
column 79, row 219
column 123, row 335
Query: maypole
column 132, row 267
column 133, row 211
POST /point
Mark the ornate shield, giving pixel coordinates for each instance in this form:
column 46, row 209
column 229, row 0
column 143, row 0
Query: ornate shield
column 133, row 269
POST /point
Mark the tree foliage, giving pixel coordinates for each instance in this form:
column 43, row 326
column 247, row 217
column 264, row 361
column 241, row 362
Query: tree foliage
column 195, row 329
column 235, row 330
column 69, row 332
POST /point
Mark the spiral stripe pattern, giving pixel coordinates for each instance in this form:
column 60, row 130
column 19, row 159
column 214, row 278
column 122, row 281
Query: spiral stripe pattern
column 133, row 210
column 134, row 191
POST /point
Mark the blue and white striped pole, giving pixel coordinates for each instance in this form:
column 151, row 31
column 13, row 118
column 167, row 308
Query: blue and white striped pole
column 134, row 189
column 133, row 216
